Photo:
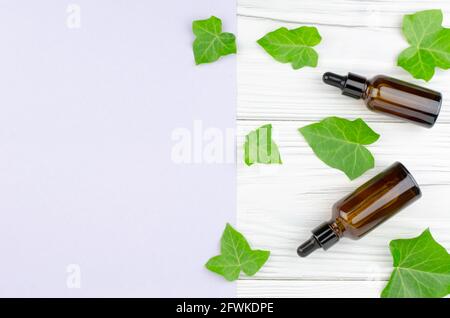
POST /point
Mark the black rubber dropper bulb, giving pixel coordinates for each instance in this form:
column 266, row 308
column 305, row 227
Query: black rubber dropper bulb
column 308, row 247
column 334, row 80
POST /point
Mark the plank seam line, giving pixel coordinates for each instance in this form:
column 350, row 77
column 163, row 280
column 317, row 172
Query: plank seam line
column 245, row 119
column 248, row 16
column 310, row 280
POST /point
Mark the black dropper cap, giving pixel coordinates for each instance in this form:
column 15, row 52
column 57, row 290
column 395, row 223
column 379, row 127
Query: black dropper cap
column 323, row 236
column 351, row 85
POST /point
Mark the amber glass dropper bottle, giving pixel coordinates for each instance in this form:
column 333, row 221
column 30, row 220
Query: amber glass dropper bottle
column 360, row 212
column 391, row 96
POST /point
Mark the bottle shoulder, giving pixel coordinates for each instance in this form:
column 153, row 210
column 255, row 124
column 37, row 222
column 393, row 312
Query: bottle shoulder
column 374, row 85
column 379, row 80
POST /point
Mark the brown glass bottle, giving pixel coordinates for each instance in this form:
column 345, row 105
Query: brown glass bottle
column 367, row 207
column 391, row 96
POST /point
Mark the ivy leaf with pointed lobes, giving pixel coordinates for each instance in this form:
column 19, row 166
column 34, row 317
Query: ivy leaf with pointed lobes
column 210, row 43
column 236, row 256
column 430, row 44
column 340, row 143
column 259, row 147
column 421, row 268
column 293, row 46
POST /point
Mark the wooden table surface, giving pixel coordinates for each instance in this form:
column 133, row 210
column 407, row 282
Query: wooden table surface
column 278, row 205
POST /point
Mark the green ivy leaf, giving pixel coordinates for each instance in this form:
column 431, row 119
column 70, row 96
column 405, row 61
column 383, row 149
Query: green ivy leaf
column 430, row 44
column 421, row 268
column 340, row 144
column 293, row 46
column 210, row 43
column 259, row 147
column 236, row 256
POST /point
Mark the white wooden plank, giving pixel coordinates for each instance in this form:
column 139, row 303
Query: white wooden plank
column 278, row 205
column 269, row 89
column 312, row 289
column 351, row 13
column 424, row 151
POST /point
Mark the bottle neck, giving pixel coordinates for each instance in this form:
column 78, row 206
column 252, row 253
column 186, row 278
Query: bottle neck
column 337, row 226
